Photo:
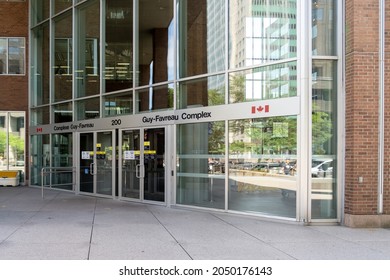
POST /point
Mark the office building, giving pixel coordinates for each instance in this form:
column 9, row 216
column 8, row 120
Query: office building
column 266, row 107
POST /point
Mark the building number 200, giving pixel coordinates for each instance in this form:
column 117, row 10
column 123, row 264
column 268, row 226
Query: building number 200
column 116, row 122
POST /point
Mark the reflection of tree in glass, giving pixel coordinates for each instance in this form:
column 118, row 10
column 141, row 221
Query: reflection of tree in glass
column 217, row 138
column 321, row 130
column 216, row 97
column 237, row 89
column 16, row 144
column 274, row 135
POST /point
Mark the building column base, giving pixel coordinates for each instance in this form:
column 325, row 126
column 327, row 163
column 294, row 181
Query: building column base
column 367, row 221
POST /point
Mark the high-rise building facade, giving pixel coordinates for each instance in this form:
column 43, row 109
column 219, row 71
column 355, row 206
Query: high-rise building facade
column 227, row 105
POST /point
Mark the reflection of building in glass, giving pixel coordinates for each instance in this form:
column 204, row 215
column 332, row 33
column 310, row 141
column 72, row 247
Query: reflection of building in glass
column 264, row 32
column 216, row 41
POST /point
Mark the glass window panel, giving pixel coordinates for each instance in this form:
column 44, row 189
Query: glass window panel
column 88, row 109
column 261, row 31
column 262, row 165
column 63, row 51
column 324, row 140
column 208, row 91
column 324, row 26
column 4, row 141
column 269, row 82
column 63, row 112
column 12, row 142
column 40, row 65
column 155, row 49
column 40, row 157
column 201, row 37
column 201, row 164
column 62, row 156
column 87, row 71
column 118, row 104
column 60, row 5
column 16, row 140
column 118, row 68
column 154, row 98
column 40, row 10
column 3, row 55
column 16, row 51
column 40, row 116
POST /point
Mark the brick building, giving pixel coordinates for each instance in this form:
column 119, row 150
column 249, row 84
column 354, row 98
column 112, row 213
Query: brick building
column 367, row 107
column 14, row 85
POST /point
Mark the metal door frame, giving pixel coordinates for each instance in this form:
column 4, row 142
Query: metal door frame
column 78, row 158
column 167, row 169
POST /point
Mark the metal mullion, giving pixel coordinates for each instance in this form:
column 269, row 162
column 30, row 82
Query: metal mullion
column 135, row 51
column 101, row 54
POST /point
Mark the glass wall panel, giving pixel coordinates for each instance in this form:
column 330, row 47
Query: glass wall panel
column 3, row 55
column 201, row 164
column 261, row 31
column 40, row 157
column 60, row 5
column 208, row 91
column 12, row 142
column 87, row 72
column 201, row 37
column 324, row 140
column 62, row 157
column 118, row 68
column 63, row 112
column 154, row 98
column 40, row 68
column 262, row 165
column 16, row 51
column 88, row 109
column 155, row 49
column 131, row 143
column 269, row 82
column 40, row 116
column 63, row 51
column 118, row 104
column 40, row 10
column 324, row 27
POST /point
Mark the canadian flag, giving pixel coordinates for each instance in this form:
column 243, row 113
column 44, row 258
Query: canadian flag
column 39, row 129
column 260, row 109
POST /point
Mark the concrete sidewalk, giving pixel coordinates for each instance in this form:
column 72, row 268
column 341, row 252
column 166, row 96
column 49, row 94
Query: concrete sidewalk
column 64, row 226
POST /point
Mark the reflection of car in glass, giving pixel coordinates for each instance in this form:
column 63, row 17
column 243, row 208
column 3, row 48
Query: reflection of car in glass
column 269, row 167
column 20, row 163
column 321, row 168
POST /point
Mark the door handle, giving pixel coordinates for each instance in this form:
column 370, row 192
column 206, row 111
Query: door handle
column 137, row 167
column 92, row 168
column 139, row 171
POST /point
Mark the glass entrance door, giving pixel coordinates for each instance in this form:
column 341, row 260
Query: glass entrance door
column 96, row 163
column 143, row 164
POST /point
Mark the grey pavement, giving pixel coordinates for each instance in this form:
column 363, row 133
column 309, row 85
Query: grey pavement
column 65, row 226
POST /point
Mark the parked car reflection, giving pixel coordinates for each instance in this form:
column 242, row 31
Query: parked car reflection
column 322, row 168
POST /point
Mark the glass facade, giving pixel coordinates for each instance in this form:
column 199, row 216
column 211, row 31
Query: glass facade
column 12, row 142
column 324, row 192
column 199, row 101
column 263, row 165
column 201, row 165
